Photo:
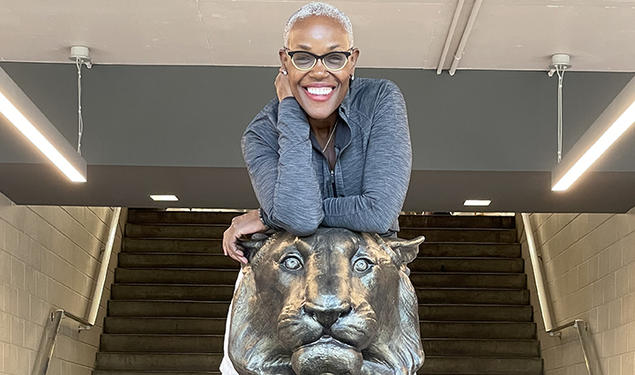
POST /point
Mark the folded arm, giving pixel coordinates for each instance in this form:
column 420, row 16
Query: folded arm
column 282, row 175
column 386, row 171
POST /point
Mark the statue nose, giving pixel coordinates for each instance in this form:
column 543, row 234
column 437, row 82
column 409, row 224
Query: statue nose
column 327, row 315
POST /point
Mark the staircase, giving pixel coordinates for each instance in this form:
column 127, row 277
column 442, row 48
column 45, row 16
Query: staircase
column 173, row 286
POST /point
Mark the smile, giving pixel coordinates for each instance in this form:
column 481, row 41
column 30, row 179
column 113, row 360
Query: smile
column 319, row 94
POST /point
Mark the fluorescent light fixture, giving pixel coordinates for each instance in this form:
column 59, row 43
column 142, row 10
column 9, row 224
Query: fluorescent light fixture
column 477, row 202
column 616, row 119
column 166, row 197
column 22, row 113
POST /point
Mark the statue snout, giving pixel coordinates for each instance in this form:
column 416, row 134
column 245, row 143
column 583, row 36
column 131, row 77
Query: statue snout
column 327, row 314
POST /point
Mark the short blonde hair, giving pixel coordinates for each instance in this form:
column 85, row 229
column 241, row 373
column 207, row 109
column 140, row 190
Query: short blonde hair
column 317, row 8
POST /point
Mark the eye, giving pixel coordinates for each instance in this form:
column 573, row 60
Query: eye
column 292, row 263
column 362, row 265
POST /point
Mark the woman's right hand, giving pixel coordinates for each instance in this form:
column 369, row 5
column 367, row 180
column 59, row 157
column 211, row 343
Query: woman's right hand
column 242, row 225
column 283, row 88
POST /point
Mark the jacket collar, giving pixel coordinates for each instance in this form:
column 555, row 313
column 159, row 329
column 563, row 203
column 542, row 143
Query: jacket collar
column 344, row 108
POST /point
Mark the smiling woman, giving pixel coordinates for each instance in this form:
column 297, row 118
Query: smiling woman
column 330, row 149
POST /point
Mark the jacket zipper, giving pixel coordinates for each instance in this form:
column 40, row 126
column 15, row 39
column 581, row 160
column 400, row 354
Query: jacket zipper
column 333, row 182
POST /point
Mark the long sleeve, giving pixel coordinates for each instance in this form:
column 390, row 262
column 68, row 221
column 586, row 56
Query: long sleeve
column 386, row 172
column 282, row 175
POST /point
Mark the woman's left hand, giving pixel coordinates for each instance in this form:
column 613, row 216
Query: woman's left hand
column 242, row 225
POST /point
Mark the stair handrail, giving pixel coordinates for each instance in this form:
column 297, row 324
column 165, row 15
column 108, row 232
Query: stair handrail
column 47, row 344
column 582, row 328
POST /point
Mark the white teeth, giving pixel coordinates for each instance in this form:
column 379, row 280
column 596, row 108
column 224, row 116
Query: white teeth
column 319, row 90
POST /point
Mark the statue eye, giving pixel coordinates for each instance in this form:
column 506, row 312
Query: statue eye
column 362, row 265
column 292, row 263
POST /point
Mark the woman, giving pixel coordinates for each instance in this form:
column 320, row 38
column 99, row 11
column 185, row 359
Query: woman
column 330, row 150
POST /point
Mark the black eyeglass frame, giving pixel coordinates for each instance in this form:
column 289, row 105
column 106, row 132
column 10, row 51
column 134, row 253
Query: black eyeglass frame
column 347, row 53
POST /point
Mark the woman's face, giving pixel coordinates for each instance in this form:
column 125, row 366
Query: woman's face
column 319, row 35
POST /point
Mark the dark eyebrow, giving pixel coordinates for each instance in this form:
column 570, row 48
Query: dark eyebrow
column 308, row 48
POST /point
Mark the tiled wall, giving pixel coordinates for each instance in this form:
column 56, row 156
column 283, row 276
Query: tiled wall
column 589, row 272
column 49, row 258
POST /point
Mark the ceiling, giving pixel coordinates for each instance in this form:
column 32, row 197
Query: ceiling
column 175, row 83
column 507, row 35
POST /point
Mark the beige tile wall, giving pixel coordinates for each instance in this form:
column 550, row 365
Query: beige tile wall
column 589, row 271
column 49, row 258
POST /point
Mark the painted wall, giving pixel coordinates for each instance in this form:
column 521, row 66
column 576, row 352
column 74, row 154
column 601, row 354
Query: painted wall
column 589, row 271
column 49, row 259
column 194, row 116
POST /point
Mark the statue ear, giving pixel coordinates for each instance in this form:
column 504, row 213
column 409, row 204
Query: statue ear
column 406, row 249
column 251, row 246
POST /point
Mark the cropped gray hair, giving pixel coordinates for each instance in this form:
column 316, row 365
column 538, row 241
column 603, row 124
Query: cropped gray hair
column 317, row 8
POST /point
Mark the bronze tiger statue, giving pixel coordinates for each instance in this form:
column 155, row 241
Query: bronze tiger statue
column 336, row 302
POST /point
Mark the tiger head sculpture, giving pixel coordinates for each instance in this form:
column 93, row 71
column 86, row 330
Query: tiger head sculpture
column 336, row 302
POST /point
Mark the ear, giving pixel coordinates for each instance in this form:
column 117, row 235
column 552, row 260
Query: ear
column 283, row 57
column 406, row 249
column 354, row 56
column 250, row 247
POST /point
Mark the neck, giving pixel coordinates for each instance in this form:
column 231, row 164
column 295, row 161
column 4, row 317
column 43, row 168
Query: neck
column 322, row 128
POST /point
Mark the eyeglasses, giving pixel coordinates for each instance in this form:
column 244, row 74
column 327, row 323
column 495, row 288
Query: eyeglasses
column 333, row 61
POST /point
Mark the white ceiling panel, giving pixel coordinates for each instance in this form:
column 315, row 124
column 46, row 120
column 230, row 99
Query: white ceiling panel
column 522, row 35
column 507, row 35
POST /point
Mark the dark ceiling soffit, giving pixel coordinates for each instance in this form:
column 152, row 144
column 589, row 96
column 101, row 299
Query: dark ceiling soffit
column 40, row 184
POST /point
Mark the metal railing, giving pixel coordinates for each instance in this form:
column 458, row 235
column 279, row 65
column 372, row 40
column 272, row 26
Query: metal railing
column 582, row 328
column 47, row 344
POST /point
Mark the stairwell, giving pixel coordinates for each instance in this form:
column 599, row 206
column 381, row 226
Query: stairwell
column 173, row 286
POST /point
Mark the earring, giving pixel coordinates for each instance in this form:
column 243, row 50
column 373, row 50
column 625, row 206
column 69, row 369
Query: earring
column 352, row 77
column 284, row 72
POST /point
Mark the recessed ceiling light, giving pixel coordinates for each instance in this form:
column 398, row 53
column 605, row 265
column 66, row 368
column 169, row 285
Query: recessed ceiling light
column 166, row 197
column 477, row 202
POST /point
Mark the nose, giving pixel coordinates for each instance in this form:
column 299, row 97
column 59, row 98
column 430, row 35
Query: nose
column 327, row 315
column 319, row 68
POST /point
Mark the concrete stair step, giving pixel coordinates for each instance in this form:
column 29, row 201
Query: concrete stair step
column 161, row 343
column 185, row 260
column 469, row 249
column 175, row 231
column 168, row 308
column 448, row 221
column 215, row 231
column 481, row 365
column 214, row 344
column 468, row 280
column 474, row 312
column 476, row 329
column 140, row 291
column 172, row 292
column 228, row 277
column 145, row 216
column 461, row 234
column 158, row 361
column 220, row 261
column 124, row 372
column 177, row 276
column 426, row 249
column 163, row 325
column 467, row 264
column 172, row 245
column 151, row 216
column 216, row 326
column 481, row 347
column 513, row 313
column 473, row 295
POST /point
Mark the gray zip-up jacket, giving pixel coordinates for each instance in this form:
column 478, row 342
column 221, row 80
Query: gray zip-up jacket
column 291, row 177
